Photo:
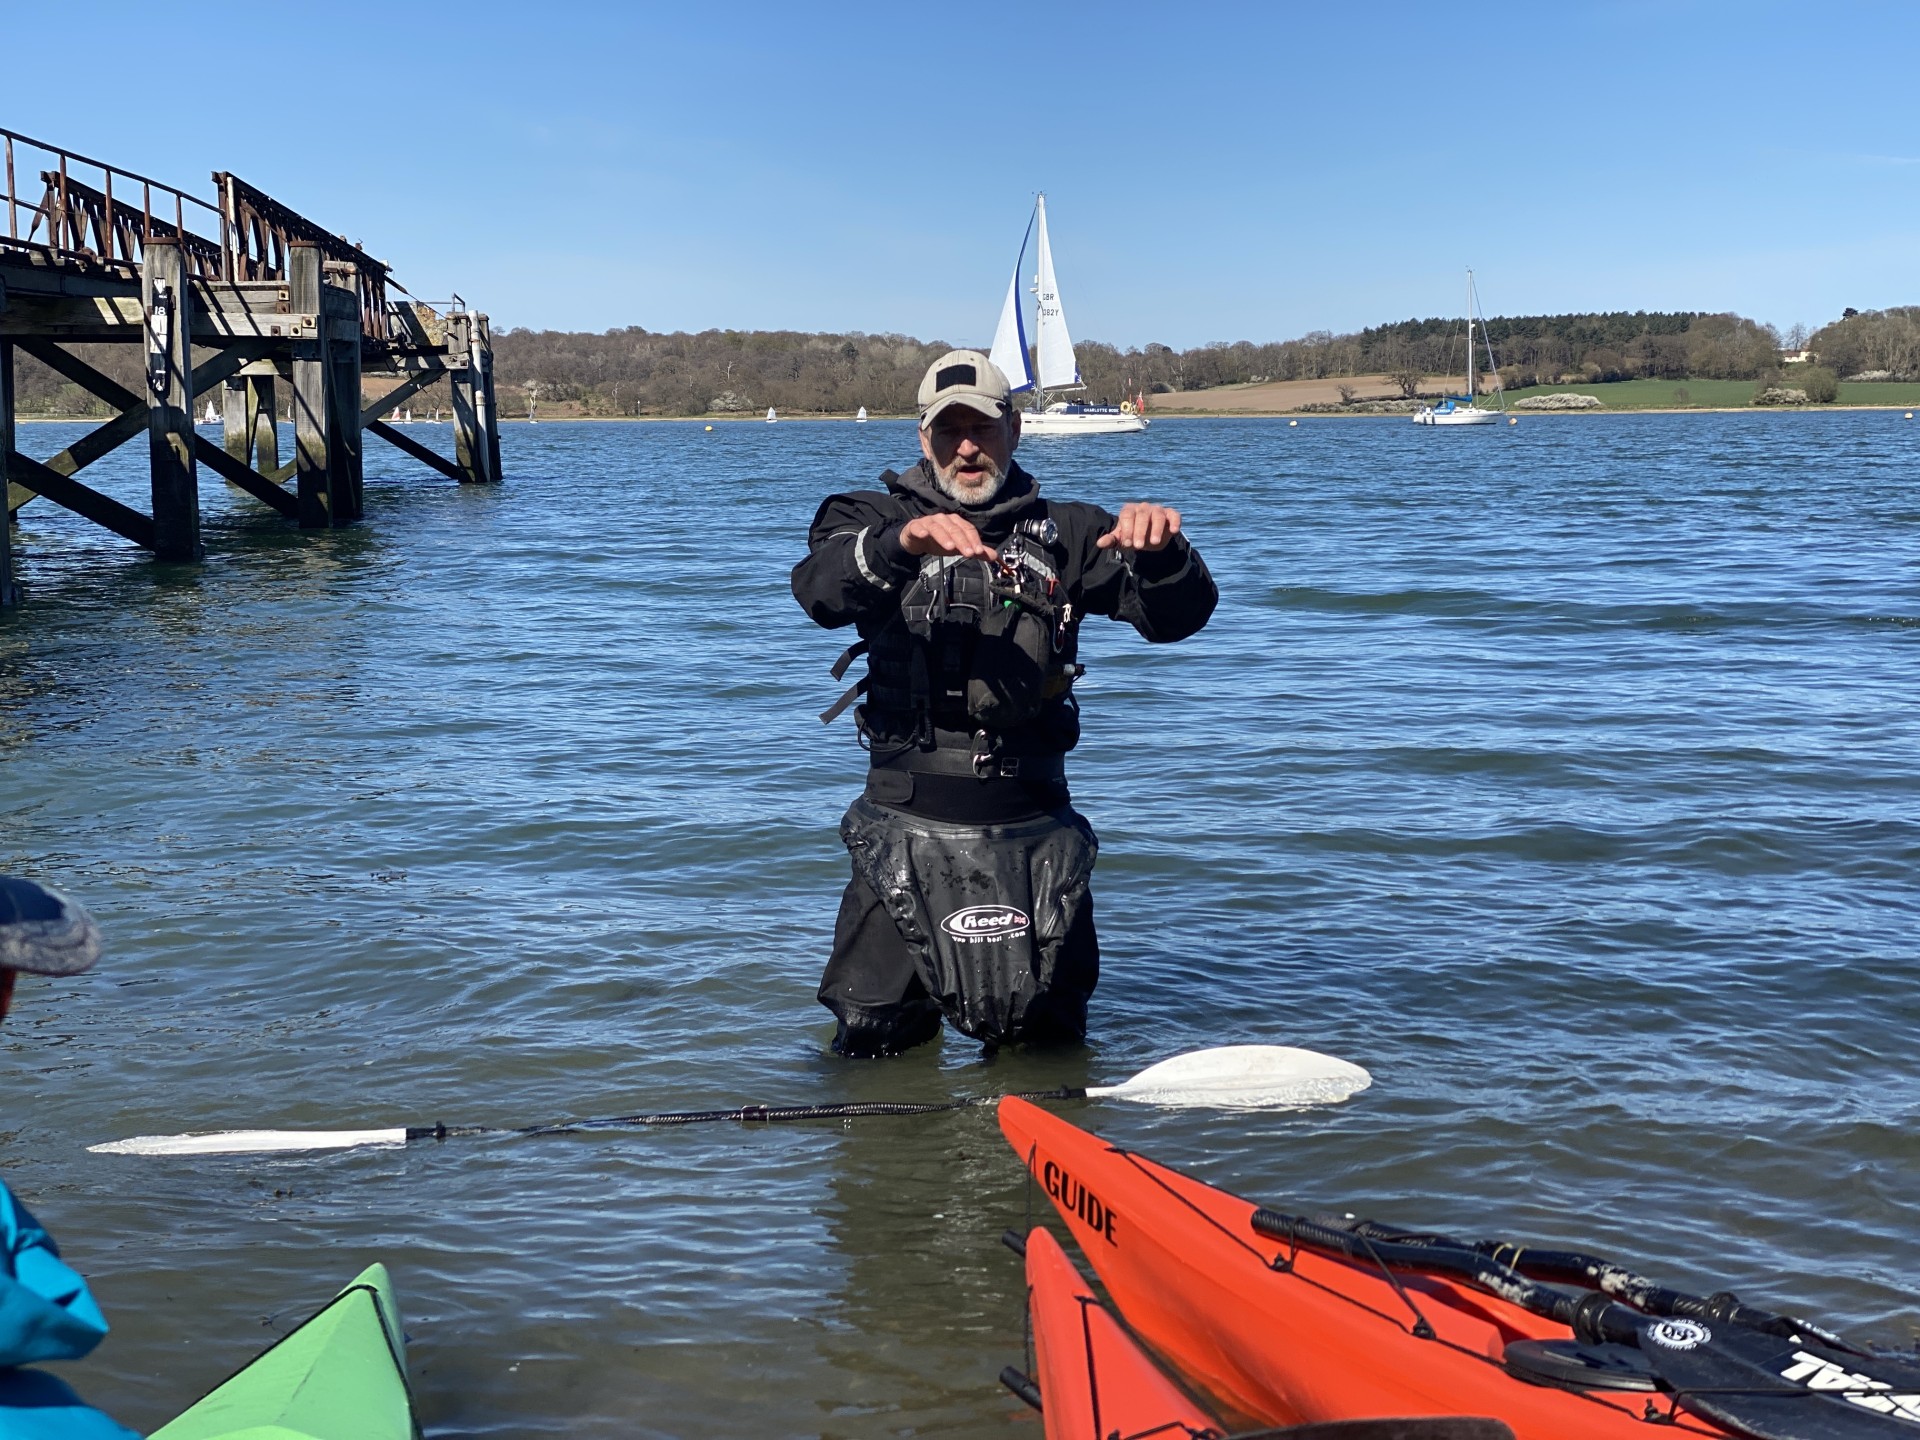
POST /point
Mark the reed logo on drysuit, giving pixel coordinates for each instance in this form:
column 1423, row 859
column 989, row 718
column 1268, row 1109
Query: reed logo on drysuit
column 1678, row 1334
column 1074, row 1196
column 988, row 923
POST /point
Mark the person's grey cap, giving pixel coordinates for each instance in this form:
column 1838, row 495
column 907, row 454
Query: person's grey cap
column 964, row 377
column 43, row 932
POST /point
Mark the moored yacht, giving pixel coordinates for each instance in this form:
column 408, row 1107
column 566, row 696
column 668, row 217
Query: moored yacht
column 1059, row 370
column 1464, row 409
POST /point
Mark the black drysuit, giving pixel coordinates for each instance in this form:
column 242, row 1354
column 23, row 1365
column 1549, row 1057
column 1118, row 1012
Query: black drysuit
column 971, row 868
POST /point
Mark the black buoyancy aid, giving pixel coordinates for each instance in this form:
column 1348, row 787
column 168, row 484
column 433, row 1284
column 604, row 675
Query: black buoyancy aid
column 973, row 647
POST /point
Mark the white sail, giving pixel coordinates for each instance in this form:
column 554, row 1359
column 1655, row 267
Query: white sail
column 862, row 416
column 1009, row 353
column 771, row 417
column 1058, row 369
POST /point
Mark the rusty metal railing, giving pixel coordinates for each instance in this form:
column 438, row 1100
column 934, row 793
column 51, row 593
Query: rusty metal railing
column 256, row 229
column 107, row 223
column 104, row 216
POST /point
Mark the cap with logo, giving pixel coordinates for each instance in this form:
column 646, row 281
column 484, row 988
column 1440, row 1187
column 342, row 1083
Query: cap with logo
column 43, row 932
column 963, row 377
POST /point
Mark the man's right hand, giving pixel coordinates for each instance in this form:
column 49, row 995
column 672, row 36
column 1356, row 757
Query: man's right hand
column 946, row 534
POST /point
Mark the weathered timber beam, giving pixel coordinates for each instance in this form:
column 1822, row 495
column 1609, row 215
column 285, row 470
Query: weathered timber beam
column 405, row 390
column 431, row 458
column 249, row 480
column 89, row 448
column 207, row 374
column 402, row 362
column 70, row 494
column 31, row 273
column 119, row 317
column 131, row 420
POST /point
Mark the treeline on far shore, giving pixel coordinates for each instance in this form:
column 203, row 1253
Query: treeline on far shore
column 719, row 372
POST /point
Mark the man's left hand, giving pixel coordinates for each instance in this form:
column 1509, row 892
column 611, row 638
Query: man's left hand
column 1141, row 526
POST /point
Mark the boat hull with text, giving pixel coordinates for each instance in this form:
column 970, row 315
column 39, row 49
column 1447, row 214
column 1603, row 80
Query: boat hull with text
column 1060, row 419
column 1287, row 1335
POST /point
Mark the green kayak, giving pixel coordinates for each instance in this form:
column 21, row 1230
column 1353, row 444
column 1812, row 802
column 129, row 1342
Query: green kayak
column 342, row 1375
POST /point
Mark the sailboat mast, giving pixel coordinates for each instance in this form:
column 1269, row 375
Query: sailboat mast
column 1470, row 389
column 1039, row 307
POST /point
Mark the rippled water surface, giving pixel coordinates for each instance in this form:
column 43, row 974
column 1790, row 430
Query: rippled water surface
column 1567, row 776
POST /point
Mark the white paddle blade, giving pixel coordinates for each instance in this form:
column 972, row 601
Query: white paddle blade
column 249, row 1142
column 1242, row 1077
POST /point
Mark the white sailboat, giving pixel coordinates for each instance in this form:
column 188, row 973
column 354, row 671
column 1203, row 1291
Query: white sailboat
column 861, row 418
column 771, row 417
column 1452, row 411
column 212, row 417
column 1059, row 370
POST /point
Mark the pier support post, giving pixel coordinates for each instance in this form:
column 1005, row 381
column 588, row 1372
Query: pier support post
column 9, row 594
column 345, row 446
column 168, row 304
column 263, row 434
column 460, row 388
column 313, row 476
column 486, row 412
column 234, row 435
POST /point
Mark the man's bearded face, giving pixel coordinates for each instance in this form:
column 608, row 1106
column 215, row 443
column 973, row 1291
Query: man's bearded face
column 969, row 453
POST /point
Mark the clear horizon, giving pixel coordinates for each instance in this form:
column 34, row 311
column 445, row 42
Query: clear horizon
column 1244, row 173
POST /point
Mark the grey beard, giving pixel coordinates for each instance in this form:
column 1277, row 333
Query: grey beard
column 980, row 495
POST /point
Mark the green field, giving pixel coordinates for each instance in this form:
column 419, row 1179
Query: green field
column 1713, row 394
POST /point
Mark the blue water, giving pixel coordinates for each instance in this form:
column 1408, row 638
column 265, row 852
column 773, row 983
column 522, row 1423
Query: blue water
column 1566, row 776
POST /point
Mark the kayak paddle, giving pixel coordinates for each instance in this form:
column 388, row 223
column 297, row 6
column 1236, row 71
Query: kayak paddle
column 1229, row 1077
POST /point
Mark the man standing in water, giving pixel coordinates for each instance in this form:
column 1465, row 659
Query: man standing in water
column 970, row 866
column 46, row 1312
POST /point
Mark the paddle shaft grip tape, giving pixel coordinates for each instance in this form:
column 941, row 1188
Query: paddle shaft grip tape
column 745, row 1114
column 1594, row 1318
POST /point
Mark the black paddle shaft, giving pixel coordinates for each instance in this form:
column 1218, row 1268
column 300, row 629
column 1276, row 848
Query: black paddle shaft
column 1593, row 1318
column 744, row 1114
column 1500, row 1267
column 1762, row 1375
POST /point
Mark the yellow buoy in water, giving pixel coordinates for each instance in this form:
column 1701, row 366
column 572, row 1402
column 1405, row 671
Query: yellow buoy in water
column 1291, row 423
column 709, row 427
column 1909, row 414
column 1513, row 419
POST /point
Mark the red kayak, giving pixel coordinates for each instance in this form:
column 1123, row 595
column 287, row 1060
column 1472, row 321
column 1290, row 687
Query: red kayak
column 1293, row 1321
column 1094, row 1381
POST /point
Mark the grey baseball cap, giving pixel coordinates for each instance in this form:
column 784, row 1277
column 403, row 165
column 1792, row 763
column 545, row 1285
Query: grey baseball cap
column 43, row 932
column 963, row 377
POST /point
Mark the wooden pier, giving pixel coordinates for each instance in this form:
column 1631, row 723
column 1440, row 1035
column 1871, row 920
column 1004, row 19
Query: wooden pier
column 295, row 318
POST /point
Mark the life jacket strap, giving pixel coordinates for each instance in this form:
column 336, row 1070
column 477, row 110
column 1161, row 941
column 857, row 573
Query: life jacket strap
column 847, row 656
column 852, row 693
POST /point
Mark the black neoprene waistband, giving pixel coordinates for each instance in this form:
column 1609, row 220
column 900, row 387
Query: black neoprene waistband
column 946, row 761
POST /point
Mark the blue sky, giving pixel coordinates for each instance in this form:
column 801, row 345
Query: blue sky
column 1213, row 172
